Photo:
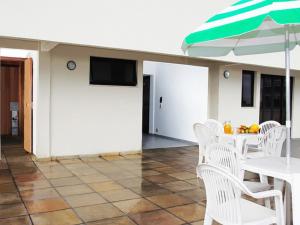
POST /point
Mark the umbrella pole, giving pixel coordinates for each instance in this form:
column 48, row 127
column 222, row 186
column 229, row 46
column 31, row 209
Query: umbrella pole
column 288, row 97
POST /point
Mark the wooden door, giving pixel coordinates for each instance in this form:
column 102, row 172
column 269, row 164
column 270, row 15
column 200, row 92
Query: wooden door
column 28, row 105
column 9, row 76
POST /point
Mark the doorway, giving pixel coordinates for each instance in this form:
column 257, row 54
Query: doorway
column 16, row 102
column 146, row 103
column 174, row 98
column 272, row 103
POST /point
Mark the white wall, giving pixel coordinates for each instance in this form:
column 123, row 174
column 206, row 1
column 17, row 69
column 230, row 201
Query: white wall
column 185, row 93
column 43, row 138
column 213, row 93
column 146, row 25
column 90, row 119
column 142, row 25
column 229, row 97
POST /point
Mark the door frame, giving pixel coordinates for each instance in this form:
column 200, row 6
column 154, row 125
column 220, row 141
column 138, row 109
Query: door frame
column 27, row 103
column 21, row 95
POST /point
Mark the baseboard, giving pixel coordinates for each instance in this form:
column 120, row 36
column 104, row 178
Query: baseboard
column 100, row 155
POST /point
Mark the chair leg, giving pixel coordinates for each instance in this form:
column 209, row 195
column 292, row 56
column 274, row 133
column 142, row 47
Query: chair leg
column 279, row 185
column 268, row 203
column 207, row 220
column 288, row 204
column 264, row 179
column 279, row 211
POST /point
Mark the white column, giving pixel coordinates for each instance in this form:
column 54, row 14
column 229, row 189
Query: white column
column 42, row 131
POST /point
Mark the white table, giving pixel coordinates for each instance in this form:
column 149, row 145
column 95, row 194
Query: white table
column 277, row 167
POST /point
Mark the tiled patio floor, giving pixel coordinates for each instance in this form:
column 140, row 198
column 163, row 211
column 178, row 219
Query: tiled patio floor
column 157, row 187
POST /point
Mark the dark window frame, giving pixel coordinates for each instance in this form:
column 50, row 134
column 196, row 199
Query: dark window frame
column 263, row 104
column 245, row 103
column 113, row 64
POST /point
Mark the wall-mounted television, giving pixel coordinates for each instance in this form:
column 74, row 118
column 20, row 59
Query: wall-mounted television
column 108, row 71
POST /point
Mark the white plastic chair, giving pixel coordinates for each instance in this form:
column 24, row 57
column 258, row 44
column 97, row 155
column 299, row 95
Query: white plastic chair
column 239, row 143
column 225, row 156
column 271, row 143
column 215, row 126
column 229, row 158
column 264, row 128
column 225, row 204
column 205, row 137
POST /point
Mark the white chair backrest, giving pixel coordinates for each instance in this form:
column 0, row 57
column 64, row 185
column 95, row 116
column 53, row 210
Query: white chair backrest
column 225, row 156
column 223, row 192
column 265, row 127
column 273, row 140
column 204, row 137
column 239, row 143
column 215, row 126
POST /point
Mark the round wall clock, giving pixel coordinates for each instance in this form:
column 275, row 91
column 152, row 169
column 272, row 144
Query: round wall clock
column 226, row 74
column 71, row 65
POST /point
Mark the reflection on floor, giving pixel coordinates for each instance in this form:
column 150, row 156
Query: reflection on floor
column 151, row 141
column 159, row 185
column 10, row 141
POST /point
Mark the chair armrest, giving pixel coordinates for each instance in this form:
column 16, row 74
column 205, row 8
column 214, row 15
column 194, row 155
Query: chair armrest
column 265, row 194
column 276, row 194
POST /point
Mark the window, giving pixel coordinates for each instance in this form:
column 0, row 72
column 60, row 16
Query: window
column 248, row 88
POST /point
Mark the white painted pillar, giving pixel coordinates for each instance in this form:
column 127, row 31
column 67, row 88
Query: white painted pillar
column 42, row 132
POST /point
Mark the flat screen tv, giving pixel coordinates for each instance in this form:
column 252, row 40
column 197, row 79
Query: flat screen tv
column 107, row 71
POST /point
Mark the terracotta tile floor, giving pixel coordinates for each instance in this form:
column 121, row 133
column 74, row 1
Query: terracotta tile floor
column 158, row 187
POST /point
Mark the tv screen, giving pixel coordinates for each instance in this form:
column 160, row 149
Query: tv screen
column 107, row 71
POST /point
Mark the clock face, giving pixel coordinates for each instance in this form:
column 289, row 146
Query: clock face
column 71, row 65
column 226, row 74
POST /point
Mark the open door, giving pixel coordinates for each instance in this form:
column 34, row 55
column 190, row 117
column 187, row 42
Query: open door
column 28, row 105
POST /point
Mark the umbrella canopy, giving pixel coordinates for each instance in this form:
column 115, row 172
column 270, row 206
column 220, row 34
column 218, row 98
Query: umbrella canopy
column 247, row 27
column 251, row 27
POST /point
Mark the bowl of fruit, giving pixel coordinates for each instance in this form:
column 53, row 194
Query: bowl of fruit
column 253, row 129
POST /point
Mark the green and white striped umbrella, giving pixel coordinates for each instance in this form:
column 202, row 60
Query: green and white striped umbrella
column 251, row 27
column 247, row 27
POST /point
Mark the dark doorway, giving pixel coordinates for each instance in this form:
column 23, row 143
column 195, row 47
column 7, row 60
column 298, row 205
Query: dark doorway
column 146, row 103
column 16, row 100
column 272, row 103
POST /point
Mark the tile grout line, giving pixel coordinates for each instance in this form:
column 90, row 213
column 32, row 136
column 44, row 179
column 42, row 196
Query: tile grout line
column 18, row 190
column 142, row 197
column 165, row 209
column 124, row 187
column 107, row 201
column 63, row 197
column 73, row 209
